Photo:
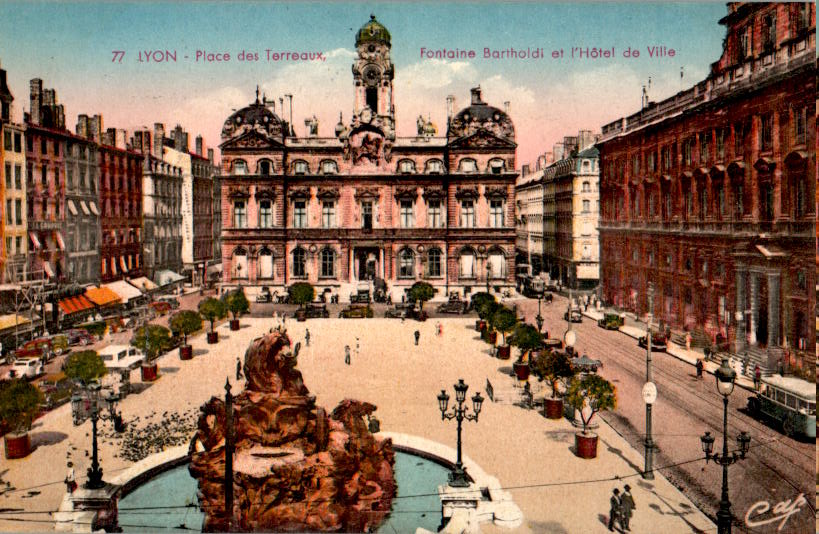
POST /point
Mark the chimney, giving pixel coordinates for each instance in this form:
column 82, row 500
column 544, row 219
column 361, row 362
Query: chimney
column 476, row 95
column 210, row 155
column 506, row 107
column 557, row 150
column 142, row 141
column 159, row 138
column 36, row 86
column 524, row 170
column 450, row 107
column 95, row 128
column 120, row 136
column 109, row 137
column 82, row 125
column 585, row 139
column 548, row 159
column 199, row 151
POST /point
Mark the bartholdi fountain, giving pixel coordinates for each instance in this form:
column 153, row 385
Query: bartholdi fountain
column 295, row 468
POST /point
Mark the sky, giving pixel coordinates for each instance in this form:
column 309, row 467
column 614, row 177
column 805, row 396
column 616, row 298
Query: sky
column 71, row 47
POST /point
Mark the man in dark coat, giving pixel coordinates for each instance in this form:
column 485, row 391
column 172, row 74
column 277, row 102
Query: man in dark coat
column 417, row 336
column 627, row 506
column 614, row 510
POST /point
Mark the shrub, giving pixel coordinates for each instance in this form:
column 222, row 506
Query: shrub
column 554, row 367
column 236, row 302
column 526, row 338
column 504, row 320
column 421, row 291
column 599, row 392
column 212, row 309
column 301, row 293
column 152, row 340
column 185, row 322
column 84, row 366
column 19, row 403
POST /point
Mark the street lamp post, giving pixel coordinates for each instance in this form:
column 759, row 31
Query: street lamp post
column 95, row 471
column 725, row 377
column 539, row 318
column 648, row 470
column 458, row 477
column 488, row 272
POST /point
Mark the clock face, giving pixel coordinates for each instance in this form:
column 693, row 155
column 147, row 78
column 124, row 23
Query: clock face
column 371, row 75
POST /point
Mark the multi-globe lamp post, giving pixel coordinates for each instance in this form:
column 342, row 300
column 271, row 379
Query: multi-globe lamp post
column 539, row 318
column 93, row 396
column 458, row 477
column 725, row 377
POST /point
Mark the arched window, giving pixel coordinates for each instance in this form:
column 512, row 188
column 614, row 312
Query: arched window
column 467, row 165
column 329, row 166
column 240, row 263
column 299, row 167
column 496, row 165
column 467, row 264
column 299, row 263
column 434, row 258
column 434, row 166
column 406, row 166
column 497, row 264
column 265, row 263
column 586, row 187
column 239, row 166
column 265, row 167
column 406, row 264
column 328, row 263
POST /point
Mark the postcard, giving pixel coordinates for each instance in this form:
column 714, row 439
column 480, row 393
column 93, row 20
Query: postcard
column 384, row 267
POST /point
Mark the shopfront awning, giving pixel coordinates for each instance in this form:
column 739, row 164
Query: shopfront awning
column 165, row 277
column 123, row 264
column 11, row 320
column 84, row 207
column 47, row 268
column 215, row 268
column 72, row 207
column 102, row 296
column 126, row 291
column 59, row 238
column 75, row 304
column 93, row 206
column 142, row 283
column 34, row 241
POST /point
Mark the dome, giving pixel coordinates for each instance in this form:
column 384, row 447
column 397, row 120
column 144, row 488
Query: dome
column 373, row 31
column 481, row 115
column 255, row 116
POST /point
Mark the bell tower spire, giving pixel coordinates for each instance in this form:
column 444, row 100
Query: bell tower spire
column 373, row 74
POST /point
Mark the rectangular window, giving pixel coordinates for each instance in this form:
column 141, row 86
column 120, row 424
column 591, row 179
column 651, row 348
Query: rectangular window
column 18, row 212
column 239, row 214
column 18, row 244
column 721, row 144
column 30, row 173
column 766, row 132
column 496, row 213
column 8, row 175
column 744, row 49
column 69, row 178
column 688, row 149
column 30, row 143
column 705, row 141
column 739, row 207
column 739, row 139
column 650, row 161
column 7, row 140
column 434, row 214
column 635, row 164
column 467, row 214
column 300, row 214
column 668, row 163
column 800, row 121
column 9, row 252
column 769, row 32
column 720, row 197
column 18, row 142
column 328, row 214
column 586, row 205
column 18, row 177
column 367, row 215
column 265, row 214
column 406, row 213
column 9, row 214
column 44, row 178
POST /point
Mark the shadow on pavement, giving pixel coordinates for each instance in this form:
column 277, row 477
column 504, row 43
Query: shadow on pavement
column 169, row 369
column 506, row 370
column 549, row 527
column 43, row 439
column 139, row 387
column 619, row 453
column 199, row 352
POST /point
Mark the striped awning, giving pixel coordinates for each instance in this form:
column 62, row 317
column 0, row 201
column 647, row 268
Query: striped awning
column 34, row 240
column 75, row 304
column 93, row 206
column 71, row 207
column 11, row 320
column 123, row 264
column 60, row 242
column 84, row 207
column 101, row 296
column 47, row 268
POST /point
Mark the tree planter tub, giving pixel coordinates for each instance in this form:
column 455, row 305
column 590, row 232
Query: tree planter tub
column 585, row 445
column 17, row 445
column 480, row 325
column 185, row 352
column 492, row 338
column 301, row 316
column 213, row 338
column 504, row 352
column 553, row 408
column 521, row 368
column 149, row 372
column 234, row 324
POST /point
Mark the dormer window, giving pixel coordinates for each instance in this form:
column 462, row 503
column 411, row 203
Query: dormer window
column 329, row 167
column 468, row 165
column 239, row 166
column 406, row 166
column 435, row 166
column 265, row 167
column 299, row 167
column 496, row 166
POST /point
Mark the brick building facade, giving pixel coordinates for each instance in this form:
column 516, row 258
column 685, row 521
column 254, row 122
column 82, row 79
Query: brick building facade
column 708, row 194
column 364, row 204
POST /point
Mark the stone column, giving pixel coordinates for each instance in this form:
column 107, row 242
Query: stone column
column 773, row 308
column 754, row 307
column 739, row 316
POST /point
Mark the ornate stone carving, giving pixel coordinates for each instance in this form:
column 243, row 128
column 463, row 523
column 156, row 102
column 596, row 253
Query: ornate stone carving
column 434, row 193
column 299, row 192
column 267, row 193
column 328, row 193
column 496, row 191
column 466, row 191
column 238, row 192
column 367, row 192
column 404, row 192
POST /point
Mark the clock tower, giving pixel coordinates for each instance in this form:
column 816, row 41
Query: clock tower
column 373, row 74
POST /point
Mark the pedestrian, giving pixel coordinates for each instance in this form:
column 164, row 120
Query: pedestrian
column 70, row 482
column 781, row 367
column 307, row 337
column 417, row 336
column 688, row 341
column 238, row 369
column 699, row 368
column 745, row 361
column 626, row 507
column 347, row 354
column 614, row 509
column 757, row 377
column 440, row 329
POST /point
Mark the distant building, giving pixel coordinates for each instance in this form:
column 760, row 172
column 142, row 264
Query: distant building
column 82, row 228
column 708, row 195
column 13, row 222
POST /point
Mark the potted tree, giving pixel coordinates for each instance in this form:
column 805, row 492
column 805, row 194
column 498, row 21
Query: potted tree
column 485, row 312
column 212, row 309
column 84, row 367
column 478, row 301
column 184, row 323
column 591, row 395
column 301, row 293
column 421, row 292
column 504, row 320
column 526, row 338
column 19, row 403
column 152, row 340
column 554, row 367
column 237, row 304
